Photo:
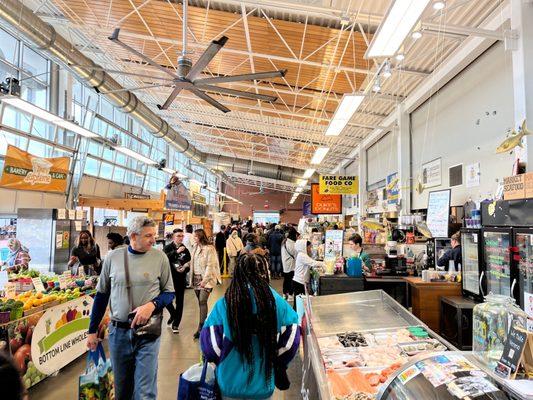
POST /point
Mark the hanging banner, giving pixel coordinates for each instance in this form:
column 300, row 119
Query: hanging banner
column 25, row 171
column 306, row 208
column 339, row 184
column 392, row 188
column 178, row 198
column 325, row 203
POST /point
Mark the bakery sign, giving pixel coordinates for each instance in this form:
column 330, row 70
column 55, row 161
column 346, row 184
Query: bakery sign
column 60, row 336
column 25, row 171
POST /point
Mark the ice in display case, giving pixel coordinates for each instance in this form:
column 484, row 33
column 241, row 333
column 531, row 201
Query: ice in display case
column 498, row 264
column 447, row 375
column 471, row 268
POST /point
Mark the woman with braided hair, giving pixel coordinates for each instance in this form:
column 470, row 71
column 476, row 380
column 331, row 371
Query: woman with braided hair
column 252, row 334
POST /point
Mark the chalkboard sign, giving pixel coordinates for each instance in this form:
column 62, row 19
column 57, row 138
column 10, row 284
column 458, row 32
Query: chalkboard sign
column 513, row 348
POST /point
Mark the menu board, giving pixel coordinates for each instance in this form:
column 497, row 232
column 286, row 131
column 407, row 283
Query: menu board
column 439, row 212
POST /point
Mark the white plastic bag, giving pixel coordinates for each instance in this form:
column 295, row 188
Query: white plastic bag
column 194, row 373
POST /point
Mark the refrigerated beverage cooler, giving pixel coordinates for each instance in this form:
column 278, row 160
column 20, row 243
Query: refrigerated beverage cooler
column 471, row 245
column 500, row 269
column 523, row 240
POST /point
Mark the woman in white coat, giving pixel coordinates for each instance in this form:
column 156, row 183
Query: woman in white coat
column 302, row 268
column 233, row 248
column 288, row 259
column 205, row 273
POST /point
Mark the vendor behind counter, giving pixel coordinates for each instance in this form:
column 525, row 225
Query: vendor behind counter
column 454, row 254
column 356, row 245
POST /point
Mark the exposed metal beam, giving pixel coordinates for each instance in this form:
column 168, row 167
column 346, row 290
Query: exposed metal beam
column 200, row 45
column 464, row 31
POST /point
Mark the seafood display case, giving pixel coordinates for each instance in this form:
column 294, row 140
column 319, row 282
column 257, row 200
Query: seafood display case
column 354, row 343
column 366, row 346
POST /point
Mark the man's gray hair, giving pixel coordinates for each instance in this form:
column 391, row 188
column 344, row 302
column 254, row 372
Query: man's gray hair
column 138, row 223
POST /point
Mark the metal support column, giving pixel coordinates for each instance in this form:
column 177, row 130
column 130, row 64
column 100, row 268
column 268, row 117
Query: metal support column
column 404, row 160
column 521, row 17
column 362, row 184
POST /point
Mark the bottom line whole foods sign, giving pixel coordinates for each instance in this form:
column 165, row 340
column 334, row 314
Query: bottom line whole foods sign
column 60, row 335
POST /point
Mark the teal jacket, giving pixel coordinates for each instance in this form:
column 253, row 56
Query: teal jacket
column 232, row 370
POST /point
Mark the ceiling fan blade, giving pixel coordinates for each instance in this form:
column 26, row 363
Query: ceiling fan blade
column 238, row 93
column 243, row 77
column 209, row 99
column 171, row 98
column 114, row 38
column 134, row 88
column 204, row 60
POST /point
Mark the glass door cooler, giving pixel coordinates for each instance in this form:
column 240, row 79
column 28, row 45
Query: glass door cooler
column 472, row 263
column 523, row 241
column 500, row 272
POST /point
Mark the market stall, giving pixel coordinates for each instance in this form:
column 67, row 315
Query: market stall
column 44, row 322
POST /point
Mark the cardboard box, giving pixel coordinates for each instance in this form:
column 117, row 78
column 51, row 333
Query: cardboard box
column 528, row 185
column 513, row 187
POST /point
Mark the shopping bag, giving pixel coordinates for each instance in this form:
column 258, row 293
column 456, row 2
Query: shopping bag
column 97, row 381
column 199, row 383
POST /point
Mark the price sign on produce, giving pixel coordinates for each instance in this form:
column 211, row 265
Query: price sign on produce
column 339, row 184
column 38, row 284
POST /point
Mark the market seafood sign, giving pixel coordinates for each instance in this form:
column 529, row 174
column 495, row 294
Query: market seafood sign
column 25, row 171
column 60, row 335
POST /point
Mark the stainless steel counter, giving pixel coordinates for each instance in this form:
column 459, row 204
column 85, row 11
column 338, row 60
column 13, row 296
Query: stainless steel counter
column 355, row 311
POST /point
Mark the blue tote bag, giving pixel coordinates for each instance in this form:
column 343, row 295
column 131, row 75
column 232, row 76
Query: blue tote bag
column 199, row 383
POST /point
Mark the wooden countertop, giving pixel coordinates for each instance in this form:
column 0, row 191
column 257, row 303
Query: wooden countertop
column 417, row 281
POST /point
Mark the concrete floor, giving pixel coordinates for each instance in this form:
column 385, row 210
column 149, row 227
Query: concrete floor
column 177, row 353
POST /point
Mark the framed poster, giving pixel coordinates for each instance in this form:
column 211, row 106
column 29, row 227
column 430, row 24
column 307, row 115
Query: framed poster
column 333, row 245
column 438, row 216
column 392, row 188
column 324, row 203
column 431, row 173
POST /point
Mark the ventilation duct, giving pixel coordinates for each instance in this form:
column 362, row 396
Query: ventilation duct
column 44, row 37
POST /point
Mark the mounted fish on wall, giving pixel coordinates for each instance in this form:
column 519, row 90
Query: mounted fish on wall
column 515, row 139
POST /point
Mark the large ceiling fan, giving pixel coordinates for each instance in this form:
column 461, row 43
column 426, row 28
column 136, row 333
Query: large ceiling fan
column 187, row 74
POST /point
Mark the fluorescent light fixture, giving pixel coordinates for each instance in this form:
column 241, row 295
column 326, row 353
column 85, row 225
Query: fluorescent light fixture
column 348, row 106
column 400, row 57
column 308, row 173
column 320, row 153
column 439, row 5
column 192, row 180
column 169, row 171
column 302, row 183
column 399, row 21
column 41, row 113
column 293, row 199
column 299, row 189
column 133, row 154
column 416, row 35
column 80, row 130
column 376, row 87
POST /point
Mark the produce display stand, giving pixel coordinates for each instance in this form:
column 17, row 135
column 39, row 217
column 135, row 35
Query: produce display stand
column 370, row 312
column 48, row 337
